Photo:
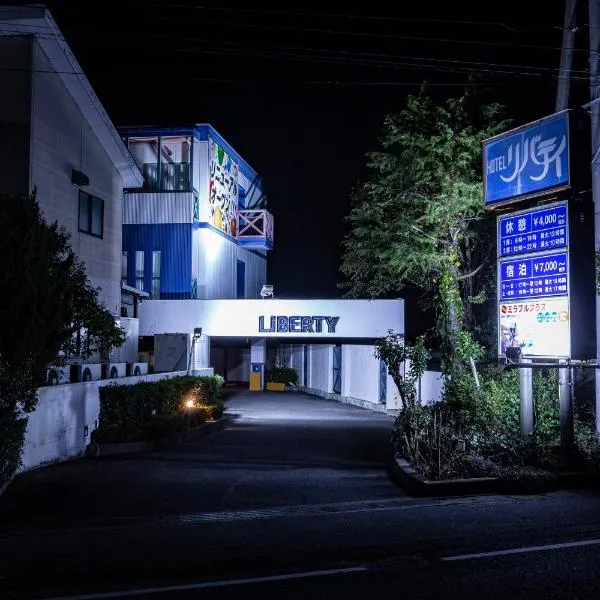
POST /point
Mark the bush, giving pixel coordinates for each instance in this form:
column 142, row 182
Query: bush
column 12, row 434
column 470, row 424
column 282, row 375
column 131, row 406
column 156, row 428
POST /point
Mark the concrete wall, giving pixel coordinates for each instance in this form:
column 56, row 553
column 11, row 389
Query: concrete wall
column 56, row 428
column 62, row 140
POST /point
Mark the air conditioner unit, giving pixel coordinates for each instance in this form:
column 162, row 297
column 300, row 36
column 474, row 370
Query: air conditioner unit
column 57, row 375
column 90, row 372
column 114, row 370
column 140, row 368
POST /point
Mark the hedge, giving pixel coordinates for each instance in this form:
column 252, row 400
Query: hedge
column 154, row 429
column 130, row 407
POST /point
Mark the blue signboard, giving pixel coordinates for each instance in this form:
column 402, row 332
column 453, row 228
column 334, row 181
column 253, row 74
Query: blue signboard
column 528, row 161
column 533, row 277
column 533, row 230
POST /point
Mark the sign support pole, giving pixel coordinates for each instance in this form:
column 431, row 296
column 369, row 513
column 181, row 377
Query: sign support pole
column 565, row 407
column 594, row 20
column 526, row 395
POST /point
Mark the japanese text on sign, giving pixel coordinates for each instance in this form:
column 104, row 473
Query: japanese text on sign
column 542, row 275
column 528, row 161
column 532, row 231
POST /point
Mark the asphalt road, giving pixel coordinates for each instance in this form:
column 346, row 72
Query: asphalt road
column 291, row 500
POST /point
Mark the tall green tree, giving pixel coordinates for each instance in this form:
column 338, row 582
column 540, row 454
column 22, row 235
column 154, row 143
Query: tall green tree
column 418, row 219
column 48, row 312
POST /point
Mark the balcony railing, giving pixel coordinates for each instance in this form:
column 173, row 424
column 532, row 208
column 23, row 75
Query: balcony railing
column 256, row 228
column 170, row 177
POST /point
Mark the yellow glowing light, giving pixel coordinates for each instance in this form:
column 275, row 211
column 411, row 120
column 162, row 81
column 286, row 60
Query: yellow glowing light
column 189, row 404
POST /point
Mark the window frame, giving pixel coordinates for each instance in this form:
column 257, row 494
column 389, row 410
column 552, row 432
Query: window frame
column 91, row 201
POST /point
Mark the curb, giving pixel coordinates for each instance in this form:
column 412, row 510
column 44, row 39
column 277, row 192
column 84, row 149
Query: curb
column 95, row 450
column 417, row 485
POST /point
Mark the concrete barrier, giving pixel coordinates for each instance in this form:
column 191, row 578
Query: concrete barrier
column 59, row 428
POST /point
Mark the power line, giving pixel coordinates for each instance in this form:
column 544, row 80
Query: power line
column 374, row 35
column 352, row 53
column 350, row 16
column 356, row 62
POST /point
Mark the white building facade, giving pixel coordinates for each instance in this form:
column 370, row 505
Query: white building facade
column 58, row 140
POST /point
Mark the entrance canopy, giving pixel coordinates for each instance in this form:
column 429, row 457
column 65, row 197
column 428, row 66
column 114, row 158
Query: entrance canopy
column 274, row 318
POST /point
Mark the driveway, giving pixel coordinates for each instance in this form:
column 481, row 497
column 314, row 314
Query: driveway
column 278, row 449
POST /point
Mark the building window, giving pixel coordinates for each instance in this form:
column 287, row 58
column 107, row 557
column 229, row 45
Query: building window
column 91, row 214
column 156, row 275
column 139, row 269
column 124, row 267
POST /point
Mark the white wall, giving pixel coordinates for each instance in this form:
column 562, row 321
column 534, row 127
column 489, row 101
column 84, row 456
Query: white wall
column 256, row 271
column 62, row 140
column 128, row 352
column 56, row 428
column 320, row 370
column 217, row 265
column 360, row 373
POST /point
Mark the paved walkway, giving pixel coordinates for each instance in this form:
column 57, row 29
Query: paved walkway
column 280, row 449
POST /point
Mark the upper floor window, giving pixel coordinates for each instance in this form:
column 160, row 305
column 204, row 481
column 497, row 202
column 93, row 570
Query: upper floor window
column 164, row 161
column 91, row 214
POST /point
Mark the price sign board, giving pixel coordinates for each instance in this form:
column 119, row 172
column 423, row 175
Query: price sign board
column 536, row 230
column 533, row 277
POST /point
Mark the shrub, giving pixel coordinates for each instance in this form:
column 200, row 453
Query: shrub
column 12, row 434
column 282, row 375
column 130, row 406
column 472, row 428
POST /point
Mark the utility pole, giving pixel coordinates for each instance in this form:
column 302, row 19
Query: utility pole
column 594, row 20
column 566, row 57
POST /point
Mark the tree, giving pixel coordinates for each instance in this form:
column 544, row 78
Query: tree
column 418, row 219
column 405, row 363
column 48, row 312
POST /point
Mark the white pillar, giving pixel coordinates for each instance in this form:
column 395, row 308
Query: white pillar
column 201, row 352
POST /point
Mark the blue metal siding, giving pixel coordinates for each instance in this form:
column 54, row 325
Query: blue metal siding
column 174, row 240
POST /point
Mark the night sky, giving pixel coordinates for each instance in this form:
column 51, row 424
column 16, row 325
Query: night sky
column 301, row 89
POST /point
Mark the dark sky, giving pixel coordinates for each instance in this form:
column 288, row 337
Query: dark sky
column 301, row 89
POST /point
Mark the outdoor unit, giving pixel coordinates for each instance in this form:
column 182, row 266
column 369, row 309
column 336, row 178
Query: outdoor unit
column 113, row 370
column 140, row 368
column 91, row 371
column 58, row 375
column 171, row 352
column 136, row 369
